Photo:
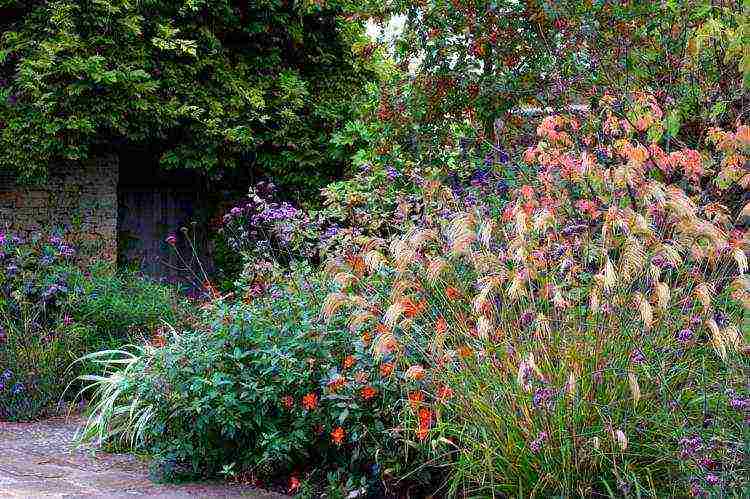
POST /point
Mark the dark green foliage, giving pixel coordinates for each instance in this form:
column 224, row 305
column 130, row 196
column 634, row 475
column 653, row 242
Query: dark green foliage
column 213, row 83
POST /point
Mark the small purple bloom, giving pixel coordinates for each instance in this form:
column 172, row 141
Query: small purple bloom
column 526, row 318
column 392, row 173
column 7, row 374
column 12, row 99
column 236, row 211
column 712, row 479
column 543, row 397
column 17, row 388
column 637, row 357
column 536, row 444
column 685, row 336
column 171, row 239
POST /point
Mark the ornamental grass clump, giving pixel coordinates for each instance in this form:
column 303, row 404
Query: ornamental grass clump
column 588, row 340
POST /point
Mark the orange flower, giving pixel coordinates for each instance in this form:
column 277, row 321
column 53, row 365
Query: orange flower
column 465, row 352
column 441, row 326
column 288, row 401
column 349, row 361
column 368, row 392
column 452, row 293
column 416, row 399
column 386, row 369
column 337, row 435
column 310, row 401
column 366, row 337
column 411, row 309
column 425, row 422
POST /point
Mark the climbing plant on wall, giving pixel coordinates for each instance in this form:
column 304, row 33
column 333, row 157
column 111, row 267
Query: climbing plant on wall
column 213, row 84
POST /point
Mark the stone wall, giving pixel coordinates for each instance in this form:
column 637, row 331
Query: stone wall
column 78, row 199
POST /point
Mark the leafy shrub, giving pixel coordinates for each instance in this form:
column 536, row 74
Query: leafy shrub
column 270, row 390
column 587, row 340
column 52, row 312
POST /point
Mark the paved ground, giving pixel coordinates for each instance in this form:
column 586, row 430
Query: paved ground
column 37, row 460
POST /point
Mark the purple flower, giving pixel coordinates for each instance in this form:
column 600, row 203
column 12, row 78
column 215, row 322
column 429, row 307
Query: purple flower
column 171, row 239
column 637, row 357
column 536, row 444
column 17, row 388
column 712, row 479
column 685, row 336
column 738, row 403
column 236, row 211
column 67, row 320
column 7, row 374
column 526, row 318
column 392, row 173
column 12, row 99
column 690, row 446
column 3, row 335
column 543, row 397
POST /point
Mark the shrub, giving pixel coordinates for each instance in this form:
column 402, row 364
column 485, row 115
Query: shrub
column 268, row 391
column 52, row 312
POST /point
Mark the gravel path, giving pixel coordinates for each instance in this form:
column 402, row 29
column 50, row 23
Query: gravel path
column 37, row 460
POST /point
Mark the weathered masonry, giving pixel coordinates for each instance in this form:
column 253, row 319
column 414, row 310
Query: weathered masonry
column 79, row 198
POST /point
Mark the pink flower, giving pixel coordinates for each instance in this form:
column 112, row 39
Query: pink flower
column 171, row 239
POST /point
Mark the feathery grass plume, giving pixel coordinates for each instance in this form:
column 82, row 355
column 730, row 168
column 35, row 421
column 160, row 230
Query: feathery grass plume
column 435, row 267
column 485, row 327
column 633, row 259
column 521, row 223
column 635, row 389
column 331, row 305
column 662, row 295
column 669, row 253
column 419, row 237
column 375, row 260
column 486, row 226
column 679, row 202
column 403, row 253
column 570, row 386
column 645, row 309
column 384, row 343
column 704, row 292
column 717, row 340
column 461, row 233
column 733, row 337
column 610, row 276
column 741, row 258
column 393, row 313
column 543, row 220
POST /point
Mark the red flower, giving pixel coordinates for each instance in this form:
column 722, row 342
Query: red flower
column 337, row 435
column 310, row 401
column 452, row 293
column 386, row 369
column 412, row 309
column 294, row 484
column 368, row 392
column 415, row 399
column 425, row 422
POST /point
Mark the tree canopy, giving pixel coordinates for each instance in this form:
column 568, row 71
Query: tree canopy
column 208, row 84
